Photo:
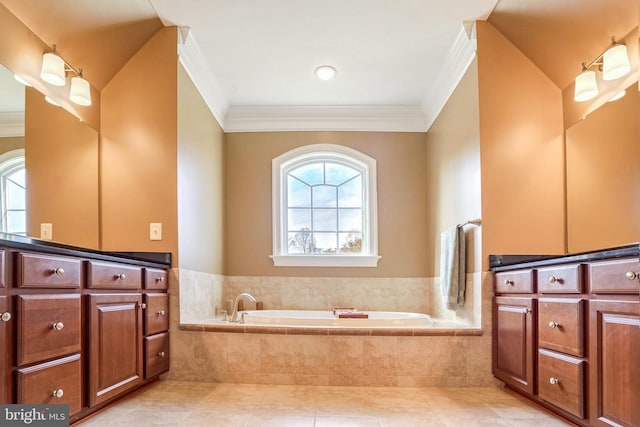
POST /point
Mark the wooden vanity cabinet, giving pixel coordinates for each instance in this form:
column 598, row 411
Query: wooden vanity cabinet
column 586, row 336
column 156, row 323
column 6, row 322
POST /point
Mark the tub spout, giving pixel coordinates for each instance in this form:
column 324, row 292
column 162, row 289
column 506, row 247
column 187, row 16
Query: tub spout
column 245, row 295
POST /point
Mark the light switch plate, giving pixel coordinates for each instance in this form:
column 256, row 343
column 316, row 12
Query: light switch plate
column 46, row 231
column 155, row 231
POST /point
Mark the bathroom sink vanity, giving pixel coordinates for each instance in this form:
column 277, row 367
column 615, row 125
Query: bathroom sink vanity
column 566, row 333
column 79, row 327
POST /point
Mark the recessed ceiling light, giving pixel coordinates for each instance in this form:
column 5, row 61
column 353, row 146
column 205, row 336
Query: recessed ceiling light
column 325, row 72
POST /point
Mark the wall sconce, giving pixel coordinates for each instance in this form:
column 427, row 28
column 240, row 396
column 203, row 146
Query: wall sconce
column 55, row 70
column 613, row 62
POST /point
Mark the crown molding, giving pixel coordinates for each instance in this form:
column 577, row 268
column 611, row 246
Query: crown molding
column 11, row 124
column 451, row 72
column 195, row 65
column 323, row 118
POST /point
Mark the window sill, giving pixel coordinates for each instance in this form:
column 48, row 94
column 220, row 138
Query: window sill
column 325, row 260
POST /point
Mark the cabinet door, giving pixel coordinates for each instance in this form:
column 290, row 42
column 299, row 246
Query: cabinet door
column 513, row 344
column 115, row 345
column 6, row 319
column 614, row 367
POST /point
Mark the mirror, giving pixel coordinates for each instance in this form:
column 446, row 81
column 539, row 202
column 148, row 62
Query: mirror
column 61, row 166
column 603, row 176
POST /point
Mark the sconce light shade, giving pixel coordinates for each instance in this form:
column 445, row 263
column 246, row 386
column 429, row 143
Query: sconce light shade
column 80, row 92
column 615, row 62
column 52, row 70
column 586, row 87
column 51, row 100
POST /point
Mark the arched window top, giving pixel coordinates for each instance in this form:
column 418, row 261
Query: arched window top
column 325, row 207
column 13, row 192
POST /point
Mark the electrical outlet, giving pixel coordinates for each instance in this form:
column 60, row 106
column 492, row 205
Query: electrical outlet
column 155, row 231
column 46, row 231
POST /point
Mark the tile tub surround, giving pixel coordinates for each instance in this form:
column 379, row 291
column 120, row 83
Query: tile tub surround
column 365, row 360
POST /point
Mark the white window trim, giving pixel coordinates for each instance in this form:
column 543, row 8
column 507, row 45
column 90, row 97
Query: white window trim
column 9, row 162
column 279, row 164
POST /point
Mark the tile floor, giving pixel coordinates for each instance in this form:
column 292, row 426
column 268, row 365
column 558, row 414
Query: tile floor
column 177, row 403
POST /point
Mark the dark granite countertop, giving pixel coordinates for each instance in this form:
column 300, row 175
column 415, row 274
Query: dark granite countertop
column 147, row 259
column 510, row 262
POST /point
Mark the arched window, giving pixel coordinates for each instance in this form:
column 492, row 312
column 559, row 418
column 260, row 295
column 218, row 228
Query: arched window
column 13, row 192
column 324, row 208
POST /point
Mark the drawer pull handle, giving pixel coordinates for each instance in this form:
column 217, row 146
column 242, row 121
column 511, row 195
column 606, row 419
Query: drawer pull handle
column 160, row 279
column 6, row 316
column 526, row 310
column 58, row 271
column 162, row 354
column 631, row 275
column 554, row 381
column 120, row 276
column 554, row 279
column 58, row 393
column 554, row 324
column 142, row 305
column 508, row 282
column 161, row 313
column 58, row 326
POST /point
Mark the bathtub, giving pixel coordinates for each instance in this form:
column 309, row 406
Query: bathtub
column 328, row 318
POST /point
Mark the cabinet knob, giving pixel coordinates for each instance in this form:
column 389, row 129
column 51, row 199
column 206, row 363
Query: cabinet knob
column 631, row 275
column 554, row 324
column 161, row 313
column 6, row 316
column 58, row 326
column 160, row 279
column 527, row 310
column 508, row 282
column 58, row 393
column 554, row 279
column 162, row 354
column 120, row 276
column 553, row 380
column 142, row 305
column 58, row 271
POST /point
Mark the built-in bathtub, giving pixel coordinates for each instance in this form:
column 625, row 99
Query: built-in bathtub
column 318, row 322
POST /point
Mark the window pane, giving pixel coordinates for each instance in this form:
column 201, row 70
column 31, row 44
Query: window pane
column 301, row 242
column 299, row 219
column 350, row 243
column 326, row 242
column 325, row 220
column 312, row 174
column 324, row 196
column 350, row 220
column 18, row 177
column 16, row 221
column 298, row 193
column 15, row 196
column 350, row 193
column 337, row 174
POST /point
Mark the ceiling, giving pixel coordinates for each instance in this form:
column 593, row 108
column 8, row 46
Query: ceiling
column 397, row 62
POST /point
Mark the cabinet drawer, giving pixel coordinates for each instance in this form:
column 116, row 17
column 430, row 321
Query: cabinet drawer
column 156, row 318
column 110, row 275
column 37, row 384
column 610, row 277
column 48, row 326
column 516, row 282
column 155, row 279
column 561, row 325
column 156, row 350
column 565, row 279
column 561, row 381
column 44, row 271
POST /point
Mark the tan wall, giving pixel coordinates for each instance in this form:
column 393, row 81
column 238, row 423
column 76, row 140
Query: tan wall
column 402, row 203
column 21, row 52
column 521, row 141
column 200, row 182
column 11, row 143
column 61, row 160
column 603, row 176
column 453, row 172
column 138, row 149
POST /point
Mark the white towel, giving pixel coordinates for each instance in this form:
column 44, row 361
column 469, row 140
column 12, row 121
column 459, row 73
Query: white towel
column 452, row 267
